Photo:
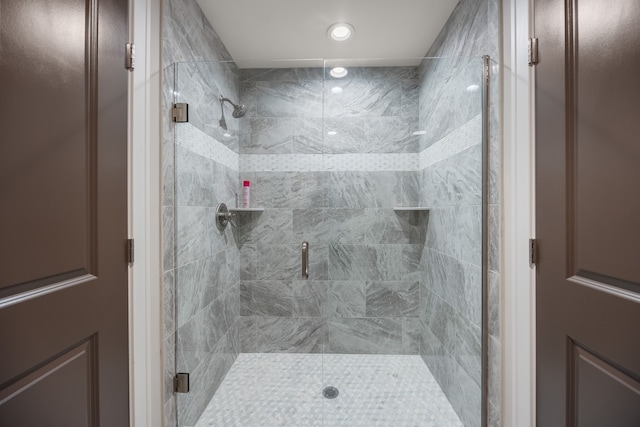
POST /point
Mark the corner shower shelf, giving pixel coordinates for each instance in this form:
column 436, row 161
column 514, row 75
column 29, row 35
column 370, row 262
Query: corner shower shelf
column 410, row 209
column 246, row 209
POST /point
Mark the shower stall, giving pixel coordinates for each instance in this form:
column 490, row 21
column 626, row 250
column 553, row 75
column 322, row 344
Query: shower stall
column 353, row 289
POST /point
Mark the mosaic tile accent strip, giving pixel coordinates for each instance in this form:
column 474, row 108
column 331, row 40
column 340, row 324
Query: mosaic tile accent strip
column 280, row 163
column 199, row 142
column 464, row 137
column 268, row 390
column 328, row 162
column 371, row 162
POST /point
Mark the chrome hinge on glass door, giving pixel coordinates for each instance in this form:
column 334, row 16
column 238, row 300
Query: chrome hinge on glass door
column 181, row 383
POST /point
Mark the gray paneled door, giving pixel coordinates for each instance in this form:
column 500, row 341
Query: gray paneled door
column 588, row 212
column 63, row 220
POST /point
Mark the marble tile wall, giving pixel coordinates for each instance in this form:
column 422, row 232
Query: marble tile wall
column 201, row 264
column 450, row 307
column 362, row 296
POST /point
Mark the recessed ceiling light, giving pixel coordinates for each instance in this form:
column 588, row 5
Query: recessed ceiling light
column 226, row 135
column 472, row 88
column 338, row 72
column 332, row 133
column 336, row 90
column 340, row 31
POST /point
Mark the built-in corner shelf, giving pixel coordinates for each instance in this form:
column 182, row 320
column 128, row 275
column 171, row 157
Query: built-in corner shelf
column 410, row 209
column 246, row 209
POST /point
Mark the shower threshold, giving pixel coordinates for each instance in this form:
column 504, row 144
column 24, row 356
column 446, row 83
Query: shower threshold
column 269, row 390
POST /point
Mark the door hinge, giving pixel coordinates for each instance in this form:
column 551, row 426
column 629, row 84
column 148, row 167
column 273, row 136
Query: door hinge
column 181, row 112
column 181, row 383
column 533, row 51
column 533, row 251
column 130, row 251
column 130, row 56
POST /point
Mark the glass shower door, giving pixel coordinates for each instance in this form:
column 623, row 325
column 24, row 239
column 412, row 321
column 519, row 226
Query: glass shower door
column 402, row 226
column 380, row 173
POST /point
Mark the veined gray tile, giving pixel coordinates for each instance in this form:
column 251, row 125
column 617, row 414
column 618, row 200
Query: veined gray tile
column 266, row 298
column 289, row 99
column 465, row 397
column 494, row 305
column 377, row 73
column 306, row 190
column 468, row 226
column 194, row 234
column 366, row 336
column 495, row 373
column 391, row 135
column 210, row 374
column 307, row 136
column 168, row 171
column 344, row 299
column 362, row 189
column 301, row 73
column 248, row 261
column 388, row 226
column 225, row 183
column 411, row 330
column 410, row 98
column 344, row 226
column 495, row 169
column 310, row 225
column 468, row 348
column 365, row 262
column 271, row 189
column 266, row 135
column 457, row 180
column 198, row 284
column 362, row 98
column 348, row 138
column 249, row 98
column 168, row 240
column 494, row 238
column 170, row 411
column 169, row 352
column 278, row 262
column 411, row 266
column 470, row 299
column 318, row 262
column 273, row 226
column 441, row 319
column 411, row 189
column 195, row 180
column 309, row 297
column 168, row 303
column 280, row 335
column 392, row 299
column 439, row 232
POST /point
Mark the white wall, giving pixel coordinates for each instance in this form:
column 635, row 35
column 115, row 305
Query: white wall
column 518, row 296
column 145, row 303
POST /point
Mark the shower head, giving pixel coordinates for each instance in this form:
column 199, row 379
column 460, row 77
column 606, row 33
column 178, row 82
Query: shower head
column 238, row 111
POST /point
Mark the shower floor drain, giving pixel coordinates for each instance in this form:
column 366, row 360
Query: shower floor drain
column 330, row 392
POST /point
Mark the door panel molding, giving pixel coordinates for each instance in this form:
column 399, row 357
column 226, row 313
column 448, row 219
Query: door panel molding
column 58, row 283
column 593, row 376
column 611, row 285
column 74, row 371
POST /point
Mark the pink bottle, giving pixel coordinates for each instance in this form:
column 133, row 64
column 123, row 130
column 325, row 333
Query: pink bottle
column 246, row 186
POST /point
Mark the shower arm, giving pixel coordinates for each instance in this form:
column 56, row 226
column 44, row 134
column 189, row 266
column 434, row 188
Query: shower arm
column 223, row 122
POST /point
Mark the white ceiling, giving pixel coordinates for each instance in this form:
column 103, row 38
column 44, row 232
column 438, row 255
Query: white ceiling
column 257, row 31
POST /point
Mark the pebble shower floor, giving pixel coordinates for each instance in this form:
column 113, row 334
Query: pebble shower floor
column 269, row 390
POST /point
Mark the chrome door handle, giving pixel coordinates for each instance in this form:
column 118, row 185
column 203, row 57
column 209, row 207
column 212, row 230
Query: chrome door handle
column 305, row 260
